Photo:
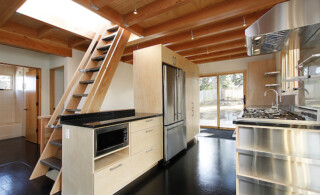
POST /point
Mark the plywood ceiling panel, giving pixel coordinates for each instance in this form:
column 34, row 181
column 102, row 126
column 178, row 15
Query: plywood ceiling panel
column 180, row 11
column 126, row 6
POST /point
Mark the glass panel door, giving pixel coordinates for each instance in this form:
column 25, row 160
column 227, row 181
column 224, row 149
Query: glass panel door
column 208, row 101
column 230, row 99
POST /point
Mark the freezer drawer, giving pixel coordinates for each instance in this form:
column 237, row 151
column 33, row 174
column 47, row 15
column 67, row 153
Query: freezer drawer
column 176, row 140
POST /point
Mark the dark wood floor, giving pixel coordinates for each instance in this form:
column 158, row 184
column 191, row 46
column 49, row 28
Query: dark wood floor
column 207, row 167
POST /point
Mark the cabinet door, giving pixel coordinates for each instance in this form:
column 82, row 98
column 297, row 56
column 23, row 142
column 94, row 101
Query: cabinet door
column 112, row 178
column 189, row 100
column 144, row 160
column 145, row 138
column 172, row 58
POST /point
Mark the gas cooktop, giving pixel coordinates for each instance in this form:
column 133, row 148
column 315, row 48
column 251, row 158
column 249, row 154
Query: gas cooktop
column 270, row 114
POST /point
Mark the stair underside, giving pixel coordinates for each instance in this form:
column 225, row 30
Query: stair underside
column 52, row 162
column 99, row 58
column 57, row 143
column 73, row 110
column 87, row 82
column 80, row 95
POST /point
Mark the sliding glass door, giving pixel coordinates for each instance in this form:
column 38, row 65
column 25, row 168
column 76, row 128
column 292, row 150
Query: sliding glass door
column 208, row 101
column 221, row 100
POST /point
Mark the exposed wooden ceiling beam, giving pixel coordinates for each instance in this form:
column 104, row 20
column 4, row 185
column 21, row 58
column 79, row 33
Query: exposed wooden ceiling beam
column 8, row 8
column 214, row 13
column 22, row 41
column 214, row 48
column 152, row 9
column 231, row 57
column 218, row 54
column 82, row 47
column 191, row 44
column 207, row 30
column 44, row 30
column 99, row 3
column 20, row 29
column 206, row 41
column 76, row 41
column 111, row 15
column 32, row 33
column 127, row 58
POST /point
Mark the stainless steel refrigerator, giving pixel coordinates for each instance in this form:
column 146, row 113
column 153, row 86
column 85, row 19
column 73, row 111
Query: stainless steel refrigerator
column 174, row 111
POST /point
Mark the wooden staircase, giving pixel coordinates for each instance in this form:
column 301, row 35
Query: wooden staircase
column 88, row 88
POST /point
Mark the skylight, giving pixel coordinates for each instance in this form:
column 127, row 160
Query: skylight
column 64, row 14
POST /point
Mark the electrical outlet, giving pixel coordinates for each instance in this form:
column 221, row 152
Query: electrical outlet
column 67, row 133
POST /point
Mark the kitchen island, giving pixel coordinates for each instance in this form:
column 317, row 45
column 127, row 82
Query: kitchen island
column 277, row 156
column 103, row 152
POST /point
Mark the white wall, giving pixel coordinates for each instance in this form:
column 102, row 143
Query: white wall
column 230, row 65
column 119, row 96
column 23, row 57
column 120, row 93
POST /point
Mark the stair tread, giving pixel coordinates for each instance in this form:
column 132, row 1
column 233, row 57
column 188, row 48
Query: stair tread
column 105, row 47
column 113, row 28
column 109, row 37
column 95, row 69
column 87, row 82
column 99, row 58
column 73, row 110
column 57, row 143
column 52, row 162
column 80, row 95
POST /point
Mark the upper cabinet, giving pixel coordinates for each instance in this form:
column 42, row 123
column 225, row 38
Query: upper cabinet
column 147, row 79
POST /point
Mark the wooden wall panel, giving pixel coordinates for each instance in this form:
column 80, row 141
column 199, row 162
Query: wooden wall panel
column 257, row 81
column 147, row 80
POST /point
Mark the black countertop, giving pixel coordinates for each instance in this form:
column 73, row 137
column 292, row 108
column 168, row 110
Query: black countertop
column 100, row 119
column 299, row 124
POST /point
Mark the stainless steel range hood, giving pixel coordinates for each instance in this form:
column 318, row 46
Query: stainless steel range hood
column 270, row 32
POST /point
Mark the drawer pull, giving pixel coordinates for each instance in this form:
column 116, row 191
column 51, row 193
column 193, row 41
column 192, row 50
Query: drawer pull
column 149, row 150
column 148, row 131
column 149, row 120
column 113, row 168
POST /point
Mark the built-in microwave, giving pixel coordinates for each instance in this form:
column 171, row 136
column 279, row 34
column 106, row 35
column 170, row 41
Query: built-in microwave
column 108, row 139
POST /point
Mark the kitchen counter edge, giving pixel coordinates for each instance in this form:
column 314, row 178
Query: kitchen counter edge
column 108, row 122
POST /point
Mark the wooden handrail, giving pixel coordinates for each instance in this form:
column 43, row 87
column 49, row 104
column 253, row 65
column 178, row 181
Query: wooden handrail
column 75, row 77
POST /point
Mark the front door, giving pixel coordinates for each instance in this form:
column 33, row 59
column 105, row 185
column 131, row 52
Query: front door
column 31, row 105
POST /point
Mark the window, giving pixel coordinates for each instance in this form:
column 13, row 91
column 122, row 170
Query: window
column 6, row 82
column 221, row 99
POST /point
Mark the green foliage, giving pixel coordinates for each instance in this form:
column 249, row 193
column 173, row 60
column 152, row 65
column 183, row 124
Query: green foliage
column 205, row 83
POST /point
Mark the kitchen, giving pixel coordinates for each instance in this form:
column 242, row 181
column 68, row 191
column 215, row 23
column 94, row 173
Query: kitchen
column 275, row 119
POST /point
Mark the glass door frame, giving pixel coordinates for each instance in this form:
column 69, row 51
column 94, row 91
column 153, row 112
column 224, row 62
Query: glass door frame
column 244, row 72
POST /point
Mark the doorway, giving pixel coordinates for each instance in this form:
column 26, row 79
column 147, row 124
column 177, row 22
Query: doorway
column 20, row 102
column 222, row 99
column 56, row 86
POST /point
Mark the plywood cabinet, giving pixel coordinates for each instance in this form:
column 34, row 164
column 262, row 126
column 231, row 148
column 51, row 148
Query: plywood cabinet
column 84, row 174
column 147, row 71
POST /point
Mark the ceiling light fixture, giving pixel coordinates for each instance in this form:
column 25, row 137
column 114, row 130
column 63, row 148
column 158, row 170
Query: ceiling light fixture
column 257, row 38
column 192, row 37
column 244, row 21
column 135, row 12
